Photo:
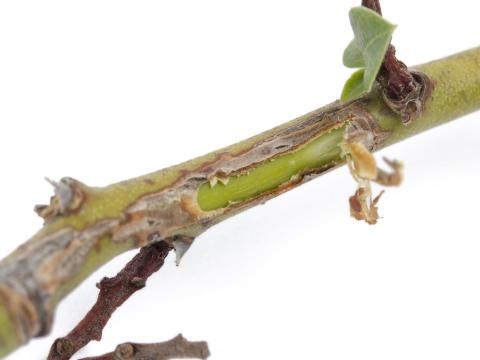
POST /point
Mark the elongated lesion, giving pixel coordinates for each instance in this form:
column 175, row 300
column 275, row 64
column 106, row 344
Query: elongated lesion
column 307, row 146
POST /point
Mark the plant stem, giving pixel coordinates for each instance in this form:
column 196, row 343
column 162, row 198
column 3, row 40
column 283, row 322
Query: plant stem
column 179, row 203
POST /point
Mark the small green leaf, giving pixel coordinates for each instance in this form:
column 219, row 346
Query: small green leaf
column 353, row 88
column 367, row 50
column 353, row 56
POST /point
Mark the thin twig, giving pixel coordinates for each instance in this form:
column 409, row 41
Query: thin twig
column 113, row 293
column 176, row 348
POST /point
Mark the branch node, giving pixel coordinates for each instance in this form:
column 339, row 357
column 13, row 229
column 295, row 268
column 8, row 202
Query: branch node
column 176, row 348
column 410, row 103
column 125, row 351
column 64, row 347
column 69, row 195
column 138, row 282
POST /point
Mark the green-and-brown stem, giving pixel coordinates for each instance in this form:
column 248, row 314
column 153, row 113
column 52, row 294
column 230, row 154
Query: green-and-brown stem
column 87, row 229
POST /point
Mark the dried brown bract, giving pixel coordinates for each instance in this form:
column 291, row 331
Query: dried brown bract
column 362, row 207
column 357, row 146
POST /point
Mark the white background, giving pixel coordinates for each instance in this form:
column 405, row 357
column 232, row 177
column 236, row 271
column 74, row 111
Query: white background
column 107, row 90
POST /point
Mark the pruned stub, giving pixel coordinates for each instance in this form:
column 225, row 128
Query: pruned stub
column 69, row 196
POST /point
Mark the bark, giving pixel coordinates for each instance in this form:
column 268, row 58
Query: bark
column 87, row 226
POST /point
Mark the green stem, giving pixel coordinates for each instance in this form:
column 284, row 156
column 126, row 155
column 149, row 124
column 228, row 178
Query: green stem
column 269, row 175
column 183, row 201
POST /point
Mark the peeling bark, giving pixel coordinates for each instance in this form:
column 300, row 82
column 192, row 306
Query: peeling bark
column 69, row 197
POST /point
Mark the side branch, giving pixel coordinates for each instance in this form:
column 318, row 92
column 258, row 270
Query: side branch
column 177, row 348
column 113, row 293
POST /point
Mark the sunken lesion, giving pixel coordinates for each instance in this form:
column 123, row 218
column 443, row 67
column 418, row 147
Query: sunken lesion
column 306, row 145
column 325, row 124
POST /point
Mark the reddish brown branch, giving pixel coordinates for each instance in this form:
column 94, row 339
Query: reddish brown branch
column 113, row 293
column 373, row 5
column 402, row 90
column 177, row 348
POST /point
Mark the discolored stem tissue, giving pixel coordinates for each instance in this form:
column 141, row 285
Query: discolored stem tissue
column 176, row 348
column 113, row 293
